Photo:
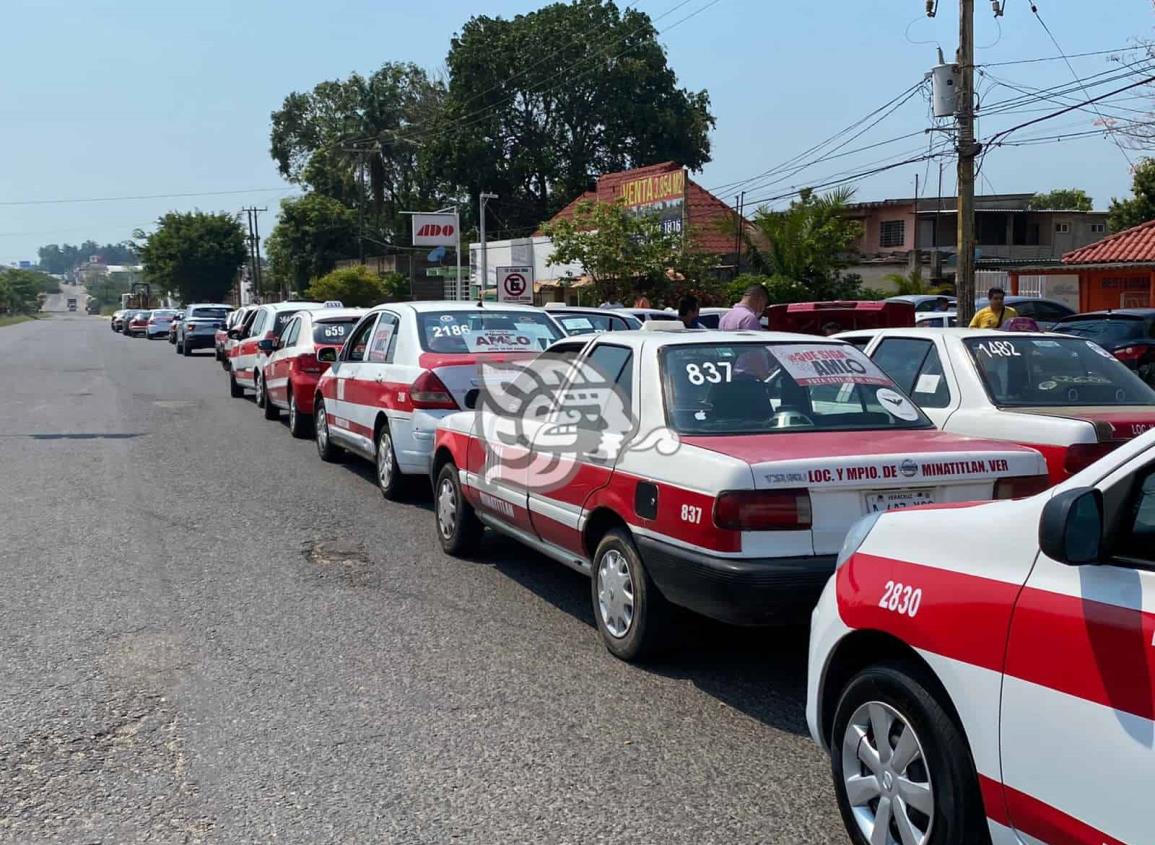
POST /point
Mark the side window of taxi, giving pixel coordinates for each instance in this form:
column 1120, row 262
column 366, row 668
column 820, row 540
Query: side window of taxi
column 291, row 332
column 616, row 363
column 384, row 339
column 358, row 342
column 916, row 368
column 258, row 326
column 1136, row 540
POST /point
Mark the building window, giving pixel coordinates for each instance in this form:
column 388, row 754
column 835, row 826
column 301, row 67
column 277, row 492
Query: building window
column 1062, row 228
column 892, row 233
column 1098, row 228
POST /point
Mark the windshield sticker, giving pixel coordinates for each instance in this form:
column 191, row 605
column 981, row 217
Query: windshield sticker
column 1098, row 350
column 379, row 347
column 998, row 349
column 927, row 383
column 1047, row 344
column 498, row 340
column 577, row 323
column 811, row 365
column 897, row 405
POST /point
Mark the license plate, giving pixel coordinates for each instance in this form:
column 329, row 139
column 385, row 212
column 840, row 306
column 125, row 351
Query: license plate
column 894, row 500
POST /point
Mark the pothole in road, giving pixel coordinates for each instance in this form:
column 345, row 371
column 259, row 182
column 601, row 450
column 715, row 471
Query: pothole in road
column 345, row 560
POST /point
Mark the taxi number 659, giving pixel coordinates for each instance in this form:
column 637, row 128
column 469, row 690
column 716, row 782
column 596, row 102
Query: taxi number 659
column 690, row 513
column 901, row 598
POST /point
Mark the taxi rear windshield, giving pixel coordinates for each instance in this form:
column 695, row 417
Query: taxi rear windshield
column 756, row 388
column 333, row 331
column 1037, row 372
column 208, row 313
column 1107, row 330
column 485, row 331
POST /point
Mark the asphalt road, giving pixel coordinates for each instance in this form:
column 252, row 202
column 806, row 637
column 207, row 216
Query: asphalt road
column 58, row 302
column 210, row 635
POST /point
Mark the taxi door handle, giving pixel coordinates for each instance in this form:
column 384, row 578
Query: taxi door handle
column 380, row 378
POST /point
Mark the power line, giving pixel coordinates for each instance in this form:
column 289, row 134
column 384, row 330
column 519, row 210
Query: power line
column 1059, row 58
column 146, row 197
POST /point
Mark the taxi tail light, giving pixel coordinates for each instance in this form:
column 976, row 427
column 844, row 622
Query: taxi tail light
column 763, row 510
column 1131, row 354
column 1021, row 486
column 429, row 392
column 308, row 363
column 1082, row 455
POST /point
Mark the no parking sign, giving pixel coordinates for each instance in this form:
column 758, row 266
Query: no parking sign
column 515, row 284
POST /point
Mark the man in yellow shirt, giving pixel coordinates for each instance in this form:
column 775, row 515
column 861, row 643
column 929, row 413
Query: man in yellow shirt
column 997, row 314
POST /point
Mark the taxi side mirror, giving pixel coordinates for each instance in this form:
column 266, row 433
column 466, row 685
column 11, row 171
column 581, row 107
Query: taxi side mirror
column 235, row 334
column 471, row 398
column 1071, row 528
column 327, row 355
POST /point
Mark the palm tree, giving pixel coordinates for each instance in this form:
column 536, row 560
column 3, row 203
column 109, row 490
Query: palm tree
column 913, row 284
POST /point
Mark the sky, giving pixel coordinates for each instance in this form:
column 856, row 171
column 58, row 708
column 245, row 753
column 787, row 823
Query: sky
column 139, row 98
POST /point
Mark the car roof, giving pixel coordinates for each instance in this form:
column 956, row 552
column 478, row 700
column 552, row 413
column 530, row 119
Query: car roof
column 320, row 315
column 211, row 305
column 692, row 337
column 919, row 297
column 953, row 331
column 715, row 310
column 295, row 304
column 637, row 312
column 443, row 305
column 1116, row 312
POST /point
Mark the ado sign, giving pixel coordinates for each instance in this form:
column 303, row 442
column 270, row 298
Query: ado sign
column 515, row 284
column 434, row 230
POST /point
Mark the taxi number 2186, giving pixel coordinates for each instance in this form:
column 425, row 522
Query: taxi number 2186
column 901, row 598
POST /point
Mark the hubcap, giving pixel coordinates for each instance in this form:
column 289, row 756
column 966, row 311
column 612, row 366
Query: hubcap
column 292, row 412
column 260, row 391
column 446, row 509
column 886, row 778
column 385, row 460
column 322, row 428
column 616, row 593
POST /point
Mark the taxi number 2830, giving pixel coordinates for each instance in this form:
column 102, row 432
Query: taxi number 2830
column 901, row 598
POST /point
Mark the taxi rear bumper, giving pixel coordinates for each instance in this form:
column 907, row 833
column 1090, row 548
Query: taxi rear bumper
column 739, row 591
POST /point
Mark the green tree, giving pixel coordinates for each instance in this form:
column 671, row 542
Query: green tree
column 354, row 140
column 1062, row 199
column 538, row 132
column 194, row 254
column 313, row 233
column 914, row 284
column 1141, row 206
column 624, row 253
column 356, row 287
column 60, row 259
column 810, row 243
column 19, row 290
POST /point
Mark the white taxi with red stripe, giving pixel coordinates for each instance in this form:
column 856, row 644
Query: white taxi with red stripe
column 1065, row 396
column 407, row 365
column 714, row 471
column 992, row 668
column 246, row 359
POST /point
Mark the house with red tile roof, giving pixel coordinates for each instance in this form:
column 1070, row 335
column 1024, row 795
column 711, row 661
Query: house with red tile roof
column 1116, row 272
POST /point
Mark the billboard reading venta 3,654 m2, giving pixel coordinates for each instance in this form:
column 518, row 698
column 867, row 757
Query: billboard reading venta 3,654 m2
column 662, row 195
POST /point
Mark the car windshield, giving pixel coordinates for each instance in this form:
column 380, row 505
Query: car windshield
column 1054, row 372
column 333, row 331
column 756, row 388
column 589, row 323
column 1109, row 330
column 483, row 331
column 209, row 313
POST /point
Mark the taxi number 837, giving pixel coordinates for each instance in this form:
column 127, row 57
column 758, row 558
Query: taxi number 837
column 901, row 598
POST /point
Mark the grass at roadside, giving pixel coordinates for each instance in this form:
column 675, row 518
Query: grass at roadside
column 13, row 319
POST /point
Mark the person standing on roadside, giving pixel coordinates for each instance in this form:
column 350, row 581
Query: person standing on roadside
column 746, row 315
column 688, row 308
column 996, row 314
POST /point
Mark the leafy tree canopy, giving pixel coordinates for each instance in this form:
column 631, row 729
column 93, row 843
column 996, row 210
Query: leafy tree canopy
column 1063, row 199
column 63, row 258
column 356, row 287
column 194, row 254
column 345, row 134
column 538, row 132
column 312, row 234
column 1141, row 206
column 20, row 289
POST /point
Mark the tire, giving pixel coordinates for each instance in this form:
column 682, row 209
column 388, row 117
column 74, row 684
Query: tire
column 390, row 481
column 298, row 422
column 458, row 527
column 235, row 390
column 184, row 350
column 272, row 412
column 325, row 448
column 632, row 616
column 894, row 696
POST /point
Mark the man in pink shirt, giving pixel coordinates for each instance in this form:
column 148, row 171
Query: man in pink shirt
column 747, row 314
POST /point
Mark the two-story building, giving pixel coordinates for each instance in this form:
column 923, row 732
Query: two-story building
column 901, row 235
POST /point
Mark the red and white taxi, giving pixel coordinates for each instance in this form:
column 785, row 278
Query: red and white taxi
column 246, row 358
column 407, row 365
column 1067, row 397
column 992, row 668
column 292, row 370
column 717, row 471
column 222, row 341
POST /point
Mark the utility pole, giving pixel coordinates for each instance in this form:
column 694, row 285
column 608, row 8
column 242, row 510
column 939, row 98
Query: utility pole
column 967, row 151
column 254, row 240
column 483, row 198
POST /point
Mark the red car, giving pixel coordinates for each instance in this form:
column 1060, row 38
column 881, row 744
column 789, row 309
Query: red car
column 137, row 325
column 292, row 369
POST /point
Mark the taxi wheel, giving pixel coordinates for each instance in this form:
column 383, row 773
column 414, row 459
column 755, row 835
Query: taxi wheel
column 899, row 760
column 184, row 350
column 632, row 615
column 298, row 422
column 272, row 412
column 179, row 348
column 458, row 527
column 389, row 478
column 235, row 390
column 325, row 448
column 259, row 390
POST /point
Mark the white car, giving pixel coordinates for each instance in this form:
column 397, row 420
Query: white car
column 936, row 320
column 405, row 366
column 578, row 320
column 246, row 360
column 1064, row 396
column 991, row 668
column 717, row 471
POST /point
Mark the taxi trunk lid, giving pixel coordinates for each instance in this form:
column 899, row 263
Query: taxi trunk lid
column 850, row 474
column 461, row 373
column 1112, row 423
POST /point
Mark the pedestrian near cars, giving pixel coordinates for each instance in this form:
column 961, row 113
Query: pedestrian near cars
column 995, row 314
column 688, row 309
column 746, row 315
